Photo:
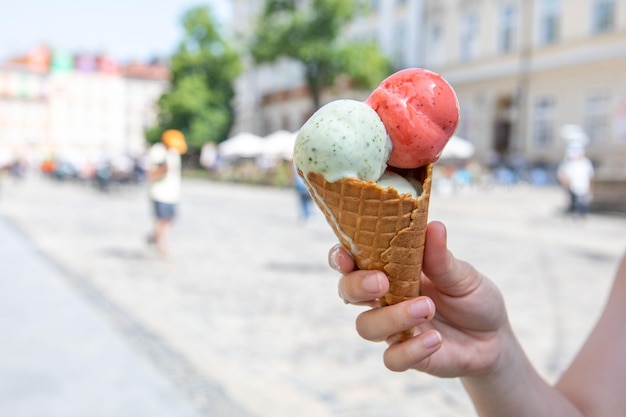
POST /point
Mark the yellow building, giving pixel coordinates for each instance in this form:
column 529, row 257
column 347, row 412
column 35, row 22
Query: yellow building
column 524, row 68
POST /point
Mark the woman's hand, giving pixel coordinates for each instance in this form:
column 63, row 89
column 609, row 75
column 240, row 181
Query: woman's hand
column 460, row 319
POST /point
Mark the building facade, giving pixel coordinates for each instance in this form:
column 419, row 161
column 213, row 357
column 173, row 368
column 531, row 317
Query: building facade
column 58, row 103
column 521, row 69
column 274, row 97
column 524, row 68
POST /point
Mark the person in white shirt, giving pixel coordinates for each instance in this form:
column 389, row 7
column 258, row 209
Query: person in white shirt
column 576, row 175
column 165, row 183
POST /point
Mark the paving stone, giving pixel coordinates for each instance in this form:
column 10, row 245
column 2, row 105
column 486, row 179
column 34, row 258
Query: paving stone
column 244, row 318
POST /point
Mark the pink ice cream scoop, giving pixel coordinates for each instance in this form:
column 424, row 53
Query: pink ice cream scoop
column 420, row 112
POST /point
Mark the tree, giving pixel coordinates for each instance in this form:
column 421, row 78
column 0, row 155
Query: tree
column 310, row 33
column 203, row 70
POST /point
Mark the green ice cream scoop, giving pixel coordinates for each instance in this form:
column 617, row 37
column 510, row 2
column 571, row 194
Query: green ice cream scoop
column 343, row 139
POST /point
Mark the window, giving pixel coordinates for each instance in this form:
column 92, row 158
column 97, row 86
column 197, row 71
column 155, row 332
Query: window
column 596, row 117
column 549, row 11
column 603, row 15
column 434, row 46
column 400, row 44
column 507, row 29
column 543, row 122
column 469, row 36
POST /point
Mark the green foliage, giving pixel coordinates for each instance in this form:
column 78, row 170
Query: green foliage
column 365, row 64
column 312, row 35
column 203, row 71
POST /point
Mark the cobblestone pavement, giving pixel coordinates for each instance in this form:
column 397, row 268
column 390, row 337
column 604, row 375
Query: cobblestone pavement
column 244, row 317
column 59, row 357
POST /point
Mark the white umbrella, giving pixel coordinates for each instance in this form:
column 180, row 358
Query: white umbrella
column 280, row 144
column 242, row 145
column 458, row 148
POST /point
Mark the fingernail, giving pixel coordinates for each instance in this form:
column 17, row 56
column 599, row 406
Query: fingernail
column 431, row 340
column 421, row 309
column 372, row 283
column 333, row 256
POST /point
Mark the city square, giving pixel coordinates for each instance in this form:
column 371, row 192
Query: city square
column 243, row 317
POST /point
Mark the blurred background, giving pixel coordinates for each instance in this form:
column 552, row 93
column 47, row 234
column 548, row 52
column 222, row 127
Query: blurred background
column 87, row 85
column 86, row 88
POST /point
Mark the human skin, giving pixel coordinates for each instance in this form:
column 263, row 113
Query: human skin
column 463, row 330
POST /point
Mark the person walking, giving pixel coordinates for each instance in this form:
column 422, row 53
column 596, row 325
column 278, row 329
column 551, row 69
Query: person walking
column 576, row 175
column 304, row 198
column 164, row 174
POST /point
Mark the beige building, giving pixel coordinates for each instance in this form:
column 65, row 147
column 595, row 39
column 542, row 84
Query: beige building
column 524, row 68
column 273, row 97
column 521, row 68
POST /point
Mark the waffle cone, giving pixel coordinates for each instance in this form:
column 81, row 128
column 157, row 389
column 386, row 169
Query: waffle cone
column 382, row 229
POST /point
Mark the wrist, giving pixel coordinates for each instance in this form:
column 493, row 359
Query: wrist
column 504, row 353
column 503, row 387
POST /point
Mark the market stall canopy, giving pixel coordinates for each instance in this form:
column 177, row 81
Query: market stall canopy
column 280, row 144
column 242, row 145
column 458, row 148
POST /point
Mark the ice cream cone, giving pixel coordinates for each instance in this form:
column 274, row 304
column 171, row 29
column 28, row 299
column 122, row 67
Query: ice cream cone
column 382, row 229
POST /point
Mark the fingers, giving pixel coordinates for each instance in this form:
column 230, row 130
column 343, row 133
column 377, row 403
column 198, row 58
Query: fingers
column 448, row 274
column 340, row 260
column 357, row 287
column 363, row 287
column 383, row 323
column 366, row 287
column 437, row 258
column 414, row 353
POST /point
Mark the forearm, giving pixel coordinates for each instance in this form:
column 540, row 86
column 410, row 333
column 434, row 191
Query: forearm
column 514, row 388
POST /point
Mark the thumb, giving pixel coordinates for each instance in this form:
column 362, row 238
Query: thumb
column 450, row 275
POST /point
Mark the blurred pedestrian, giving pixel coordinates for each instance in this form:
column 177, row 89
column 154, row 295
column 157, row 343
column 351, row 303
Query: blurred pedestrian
column 304, row 197
column 17, row 169
column 164, row 173
column 209, row 156
column 576, row 175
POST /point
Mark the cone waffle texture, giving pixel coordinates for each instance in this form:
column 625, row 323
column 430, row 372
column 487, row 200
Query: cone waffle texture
column 384, row 230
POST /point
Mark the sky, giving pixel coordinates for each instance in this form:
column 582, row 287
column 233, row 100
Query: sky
column 123, row 29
